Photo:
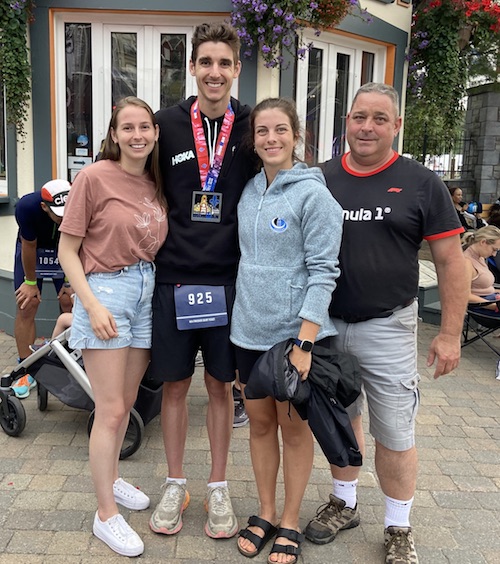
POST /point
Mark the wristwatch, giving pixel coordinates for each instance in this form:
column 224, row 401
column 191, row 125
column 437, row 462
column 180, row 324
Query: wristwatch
column 306, row 346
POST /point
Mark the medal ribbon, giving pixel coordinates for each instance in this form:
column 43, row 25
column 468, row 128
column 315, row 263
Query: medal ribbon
column 210, row 174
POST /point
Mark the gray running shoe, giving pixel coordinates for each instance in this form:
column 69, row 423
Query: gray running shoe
column 331, row 518
column 167, row 517
column 221, row 521
column 240, row 415
column 399, row 546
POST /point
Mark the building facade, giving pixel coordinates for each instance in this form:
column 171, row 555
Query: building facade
column 87, row 54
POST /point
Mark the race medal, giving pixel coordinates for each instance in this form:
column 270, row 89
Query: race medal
column 199, row 306
column 47, row 264
column 206, row 206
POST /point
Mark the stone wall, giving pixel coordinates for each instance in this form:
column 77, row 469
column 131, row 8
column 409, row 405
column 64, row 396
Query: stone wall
column 482, row 128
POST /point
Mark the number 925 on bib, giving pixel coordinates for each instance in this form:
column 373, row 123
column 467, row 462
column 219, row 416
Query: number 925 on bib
column 199, row 307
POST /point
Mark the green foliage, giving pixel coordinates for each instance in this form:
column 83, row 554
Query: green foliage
column 15, row 68
column 451, row 42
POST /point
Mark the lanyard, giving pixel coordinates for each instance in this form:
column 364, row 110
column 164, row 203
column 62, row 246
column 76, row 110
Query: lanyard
column 210, row 173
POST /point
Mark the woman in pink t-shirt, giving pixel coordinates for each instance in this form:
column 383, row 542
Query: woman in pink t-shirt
column 113, row 227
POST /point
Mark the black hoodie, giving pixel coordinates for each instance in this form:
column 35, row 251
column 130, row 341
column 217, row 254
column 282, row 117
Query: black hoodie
column 200, row 252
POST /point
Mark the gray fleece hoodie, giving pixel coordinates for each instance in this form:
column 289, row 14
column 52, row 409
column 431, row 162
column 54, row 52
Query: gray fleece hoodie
column 289, row 236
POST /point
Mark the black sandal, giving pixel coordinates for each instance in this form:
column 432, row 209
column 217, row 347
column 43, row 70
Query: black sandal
column 259, row 542
column 291, row 535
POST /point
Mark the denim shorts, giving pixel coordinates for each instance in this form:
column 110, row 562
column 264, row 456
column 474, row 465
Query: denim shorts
column 387, row 353
column 127, row 294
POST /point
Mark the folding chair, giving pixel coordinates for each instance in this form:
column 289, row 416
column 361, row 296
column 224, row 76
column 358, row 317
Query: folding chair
column 477, row 326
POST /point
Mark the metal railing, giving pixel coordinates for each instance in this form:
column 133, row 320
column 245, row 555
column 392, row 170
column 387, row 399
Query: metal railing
column 448, row 158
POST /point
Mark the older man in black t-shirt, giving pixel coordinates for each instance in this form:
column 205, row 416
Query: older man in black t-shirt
column 390, row 204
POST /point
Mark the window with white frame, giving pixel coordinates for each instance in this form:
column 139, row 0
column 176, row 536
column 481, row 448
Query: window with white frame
column 100, row 58
column 327, row 80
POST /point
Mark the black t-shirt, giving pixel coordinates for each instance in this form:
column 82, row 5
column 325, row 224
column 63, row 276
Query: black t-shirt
column 386, row 215
column 200, row 252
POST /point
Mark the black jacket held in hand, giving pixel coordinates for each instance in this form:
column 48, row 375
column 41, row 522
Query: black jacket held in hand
column 316, row 398
column 200, row 252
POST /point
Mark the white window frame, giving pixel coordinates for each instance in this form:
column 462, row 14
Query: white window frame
column 333, row 44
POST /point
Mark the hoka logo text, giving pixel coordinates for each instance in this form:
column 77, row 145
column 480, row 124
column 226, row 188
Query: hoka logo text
column 181, row 157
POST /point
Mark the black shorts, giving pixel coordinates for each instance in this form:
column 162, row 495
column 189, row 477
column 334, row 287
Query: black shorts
column 173, row 352
column 245, row 359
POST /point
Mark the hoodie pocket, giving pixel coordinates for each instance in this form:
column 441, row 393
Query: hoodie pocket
column 296, row 299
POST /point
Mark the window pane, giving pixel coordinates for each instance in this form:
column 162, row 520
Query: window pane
column 367, row 63
column 173, row 69
column 341, row 92
column 315, row 75
column 78, row 96
column 123, row 65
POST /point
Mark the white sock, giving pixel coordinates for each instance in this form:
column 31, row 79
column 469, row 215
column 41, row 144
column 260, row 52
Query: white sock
column 179, row 481
column 397, row 513
column 346, row 491
column 218, row 484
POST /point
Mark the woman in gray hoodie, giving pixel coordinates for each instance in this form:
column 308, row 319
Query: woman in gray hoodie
column 290, row 229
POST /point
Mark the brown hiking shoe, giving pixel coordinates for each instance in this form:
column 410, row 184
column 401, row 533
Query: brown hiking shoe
column 399, row 546
column 331, row 518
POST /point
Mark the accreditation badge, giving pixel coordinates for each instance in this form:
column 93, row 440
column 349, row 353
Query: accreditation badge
column 206, row 206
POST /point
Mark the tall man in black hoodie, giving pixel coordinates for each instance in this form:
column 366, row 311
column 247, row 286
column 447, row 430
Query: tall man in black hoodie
column 205, row 167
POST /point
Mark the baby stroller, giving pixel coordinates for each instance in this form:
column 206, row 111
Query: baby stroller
column 60, row 371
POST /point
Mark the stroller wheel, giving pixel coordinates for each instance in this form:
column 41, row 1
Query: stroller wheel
column 42, row 397
column 12, row 416
column 133, row 436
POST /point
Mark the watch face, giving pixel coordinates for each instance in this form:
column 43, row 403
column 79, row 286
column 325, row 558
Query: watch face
column 307, row 346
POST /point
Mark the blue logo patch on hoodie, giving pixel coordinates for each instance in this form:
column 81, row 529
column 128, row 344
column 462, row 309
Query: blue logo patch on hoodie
column 278, row 224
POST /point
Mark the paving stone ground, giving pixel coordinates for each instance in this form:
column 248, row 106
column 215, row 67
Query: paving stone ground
column 47, row 501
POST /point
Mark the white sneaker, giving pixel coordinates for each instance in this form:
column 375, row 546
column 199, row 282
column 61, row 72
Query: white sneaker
column 118, row 535
column 129, row 496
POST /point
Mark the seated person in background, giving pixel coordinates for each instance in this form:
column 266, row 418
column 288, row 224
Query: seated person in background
column 494, row 214
column 478, row 246
column 473, row 214
column 460, row 205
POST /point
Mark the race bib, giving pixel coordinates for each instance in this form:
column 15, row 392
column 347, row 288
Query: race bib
column 47, row 264
column 198, row 307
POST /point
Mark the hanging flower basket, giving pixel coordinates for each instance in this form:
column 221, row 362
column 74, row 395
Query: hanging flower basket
column 451, row 42
column 275, row 26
